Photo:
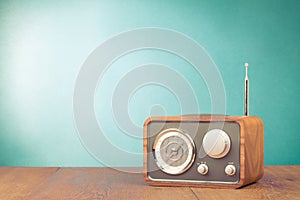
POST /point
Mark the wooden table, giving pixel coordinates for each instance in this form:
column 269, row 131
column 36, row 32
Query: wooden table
column 279, row 182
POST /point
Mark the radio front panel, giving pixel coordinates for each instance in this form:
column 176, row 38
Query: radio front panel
column 193, row 152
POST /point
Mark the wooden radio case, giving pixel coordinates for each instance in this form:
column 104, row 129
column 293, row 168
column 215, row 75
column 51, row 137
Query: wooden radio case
column 244, row 151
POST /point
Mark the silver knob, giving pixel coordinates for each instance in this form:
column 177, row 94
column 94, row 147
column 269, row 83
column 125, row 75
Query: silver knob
column 202, row 169
column 216, row 143
column 230, row 170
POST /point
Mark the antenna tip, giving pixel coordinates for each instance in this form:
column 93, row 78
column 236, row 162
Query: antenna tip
column 246, row 64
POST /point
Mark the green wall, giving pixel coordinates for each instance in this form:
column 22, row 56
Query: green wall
column 44, row 43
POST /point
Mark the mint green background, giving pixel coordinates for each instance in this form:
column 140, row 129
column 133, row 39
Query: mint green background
column 43, row 45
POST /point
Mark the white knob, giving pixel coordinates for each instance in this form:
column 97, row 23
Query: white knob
column 230, row 170
column 216, row 143
column 202, row 169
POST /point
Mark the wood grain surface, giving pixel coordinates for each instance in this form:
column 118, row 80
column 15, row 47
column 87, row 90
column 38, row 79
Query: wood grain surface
column 278, row 182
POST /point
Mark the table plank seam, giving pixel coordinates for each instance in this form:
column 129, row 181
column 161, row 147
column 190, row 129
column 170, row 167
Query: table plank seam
column 194, row 193
column 41, row 183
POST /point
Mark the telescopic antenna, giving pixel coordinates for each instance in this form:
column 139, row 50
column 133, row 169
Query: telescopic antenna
column 246, row 92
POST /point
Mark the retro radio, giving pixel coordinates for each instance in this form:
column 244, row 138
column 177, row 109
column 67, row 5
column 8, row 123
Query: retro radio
column 215, row 151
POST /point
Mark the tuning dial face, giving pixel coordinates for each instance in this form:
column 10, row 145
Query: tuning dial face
column 174, row 151
column 216, row 143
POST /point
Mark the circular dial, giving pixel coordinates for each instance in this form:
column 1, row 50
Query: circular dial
column 216, row 143
column 174, row 151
